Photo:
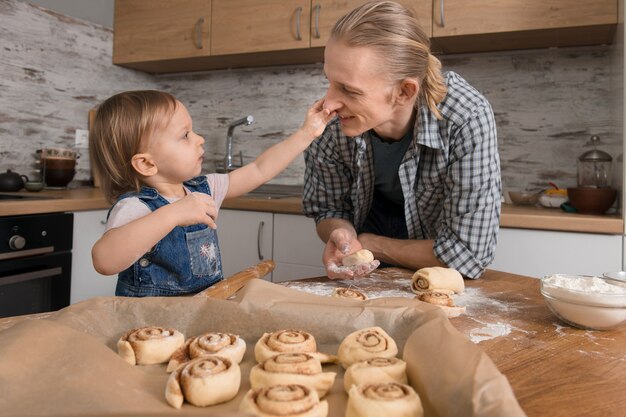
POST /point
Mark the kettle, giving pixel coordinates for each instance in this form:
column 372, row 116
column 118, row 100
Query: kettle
column 12, row 181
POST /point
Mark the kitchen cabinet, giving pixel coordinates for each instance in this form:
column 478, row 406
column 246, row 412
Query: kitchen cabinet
column 245, row 239
column 86, row 282
column 160, row 30
column 297, row 248
column 475, row 25
column 536, row 253
column 192, row 35
column 248, row 237
column 325, row 13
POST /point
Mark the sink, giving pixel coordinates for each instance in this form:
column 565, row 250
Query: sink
column 21, row 197
column 275, row 191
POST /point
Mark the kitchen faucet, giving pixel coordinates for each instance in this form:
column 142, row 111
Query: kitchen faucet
column 228, row 160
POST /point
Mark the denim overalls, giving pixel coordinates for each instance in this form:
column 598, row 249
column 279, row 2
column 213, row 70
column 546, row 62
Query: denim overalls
column 185, row 261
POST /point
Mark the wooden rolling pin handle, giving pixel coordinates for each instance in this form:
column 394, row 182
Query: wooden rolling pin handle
column 234, row 283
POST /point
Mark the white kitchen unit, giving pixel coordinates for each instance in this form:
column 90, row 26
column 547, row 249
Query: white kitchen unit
column 245, row 239
column 297, row 248
column 536, row 253
column 86, row 282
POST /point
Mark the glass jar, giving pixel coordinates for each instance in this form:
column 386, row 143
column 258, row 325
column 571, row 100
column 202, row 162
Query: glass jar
column 594, row 167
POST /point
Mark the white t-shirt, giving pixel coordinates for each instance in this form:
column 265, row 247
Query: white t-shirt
column 132, row 208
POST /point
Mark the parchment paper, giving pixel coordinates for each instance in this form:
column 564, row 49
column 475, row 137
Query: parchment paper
column 67, row 364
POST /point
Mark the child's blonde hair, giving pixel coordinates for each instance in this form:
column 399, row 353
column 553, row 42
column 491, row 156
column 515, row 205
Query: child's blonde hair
column 120, row 129
column 394, row 32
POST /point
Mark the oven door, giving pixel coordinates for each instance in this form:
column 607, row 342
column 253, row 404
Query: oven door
column 35, row 284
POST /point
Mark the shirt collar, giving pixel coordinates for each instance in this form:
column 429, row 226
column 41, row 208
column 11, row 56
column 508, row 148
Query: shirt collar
column 426, row 129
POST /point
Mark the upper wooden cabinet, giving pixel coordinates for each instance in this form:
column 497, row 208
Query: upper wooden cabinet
column 193, row 35
column 324, row 14
column 160, row 30
column 466, row 25
column 244, row 26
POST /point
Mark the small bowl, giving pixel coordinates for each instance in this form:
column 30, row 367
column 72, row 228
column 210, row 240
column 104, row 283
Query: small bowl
column 524, row 198
column 584, row 301
column 591, row 200
column 34, row 186
column 552, row 200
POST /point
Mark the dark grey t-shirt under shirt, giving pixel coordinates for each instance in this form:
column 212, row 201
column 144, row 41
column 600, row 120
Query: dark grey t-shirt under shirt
column 387, row 158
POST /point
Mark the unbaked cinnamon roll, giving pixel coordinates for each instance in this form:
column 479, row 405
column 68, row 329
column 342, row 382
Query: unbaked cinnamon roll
column 388, row 399
column 377, row 369
column 435, row 297
column 203, row 382
column 149, row 345
column 292, row 368
column 366, row 344
column 285, row 341
column 349, row 293
column 226, row 345
column 439, row 279
column 285, row 401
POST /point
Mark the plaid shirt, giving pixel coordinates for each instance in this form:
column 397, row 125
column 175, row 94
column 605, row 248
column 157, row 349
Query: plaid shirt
column 450, row 177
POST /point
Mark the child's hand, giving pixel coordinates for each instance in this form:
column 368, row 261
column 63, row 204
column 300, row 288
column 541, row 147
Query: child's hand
column 316, row 119
column 196, row 208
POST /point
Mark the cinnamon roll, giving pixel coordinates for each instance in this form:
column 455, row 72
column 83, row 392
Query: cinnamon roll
column 284, row 400
column 386, row 399
column 284, row 341
column 437, row 298
column 353, row 294
column 149, row 345
column 292, row 368
column 203, row 382
column 368, row 343
column 446, row 280
column 226, row 345
column 376, row 369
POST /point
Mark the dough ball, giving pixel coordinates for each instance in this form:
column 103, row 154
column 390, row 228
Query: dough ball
column 368, row 343
column 359, row 257
column 203, row 382
column 149, row 345
column 385, row 399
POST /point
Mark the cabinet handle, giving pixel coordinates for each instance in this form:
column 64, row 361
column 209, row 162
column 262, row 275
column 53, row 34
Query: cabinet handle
column 298, row 15
column 199, row 25
column 443, row 20
column 317, row 8
column 258, row 240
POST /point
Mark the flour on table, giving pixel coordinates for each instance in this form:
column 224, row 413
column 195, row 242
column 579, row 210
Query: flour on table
column 490, row 331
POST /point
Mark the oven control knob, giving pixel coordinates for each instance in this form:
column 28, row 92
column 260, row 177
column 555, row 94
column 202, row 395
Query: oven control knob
column 17, row 242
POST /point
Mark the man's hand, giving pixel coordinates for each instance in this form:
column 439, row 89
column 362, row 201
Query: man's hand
column 342, row 242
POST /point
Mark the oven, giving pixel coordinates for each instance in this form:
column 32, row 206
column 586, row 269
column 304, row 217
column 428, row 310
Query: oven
column 35, row 263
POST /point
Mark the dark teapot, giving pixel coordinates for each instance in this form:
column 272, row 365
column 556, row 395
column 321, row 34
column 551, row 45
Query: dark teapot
column 12, row 181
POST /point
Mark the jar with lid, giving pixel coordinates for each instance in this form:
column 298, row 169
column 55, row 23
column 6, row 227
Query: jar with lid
column 594, row 167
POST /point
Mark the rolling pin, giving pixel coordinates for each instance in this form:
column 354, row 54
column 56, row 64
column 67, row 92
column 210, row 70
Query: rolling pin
column 234, row 283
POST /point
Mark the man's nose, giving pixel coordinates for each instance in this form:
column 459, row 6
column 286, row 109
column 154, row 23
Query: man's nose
column 331, row 101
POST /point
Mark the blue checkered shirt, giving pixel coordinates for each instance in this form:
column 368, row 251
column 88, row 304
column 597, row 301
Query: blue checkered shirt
column 450, row 177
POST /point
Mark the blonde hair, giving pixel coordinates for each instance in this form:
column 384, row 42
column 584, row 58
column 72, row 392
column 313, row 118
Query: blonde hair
column 122, row 125
column 394, row 32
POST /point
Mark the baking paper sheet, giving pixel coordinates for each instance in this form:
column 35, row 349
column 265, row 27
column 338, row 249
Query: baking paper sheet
column 66, row 363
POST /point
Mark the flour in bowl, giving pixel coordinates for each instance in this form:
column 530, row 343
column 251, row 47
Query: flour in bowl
column 585, row 284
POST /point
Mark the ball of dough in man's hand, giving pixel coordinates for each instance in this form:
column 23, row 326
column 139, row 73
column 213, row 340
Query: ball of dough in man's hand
column 359, row 257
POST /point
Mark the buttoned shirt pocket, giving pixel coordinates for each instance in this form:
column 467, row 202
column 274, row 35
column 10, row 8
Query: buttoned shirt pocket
column 203, row 252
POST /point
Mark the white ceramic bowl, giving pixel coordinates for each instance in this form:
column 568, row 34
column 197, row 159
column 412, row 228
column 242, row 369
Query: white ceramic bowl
column 585, row 301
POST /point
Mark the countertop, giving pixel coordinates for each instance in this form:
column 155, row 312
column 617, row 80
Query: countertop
column 524, row 217
column 554, row 369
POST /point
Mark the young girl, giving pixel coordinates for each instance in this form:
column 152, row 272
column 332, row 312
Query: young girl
column 160, row 235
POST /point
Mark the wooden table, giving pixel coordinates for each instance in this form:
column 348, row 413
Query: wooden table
column 554, row 369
